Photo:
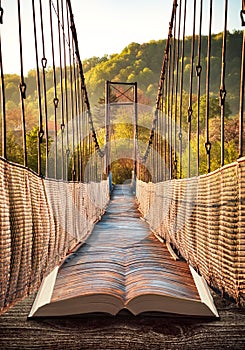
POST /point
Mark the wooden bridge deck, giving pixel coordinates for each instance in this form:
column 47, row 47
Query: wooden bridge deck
column 123, row 256
column 123, row 331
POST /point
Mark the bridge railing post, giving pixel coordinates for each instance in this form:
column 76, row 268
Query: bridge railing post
column 135, row 131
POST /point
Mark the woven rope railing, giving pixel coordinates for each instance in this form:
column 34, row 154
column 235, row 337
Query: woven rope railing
column 203, row 218
column 41, row 221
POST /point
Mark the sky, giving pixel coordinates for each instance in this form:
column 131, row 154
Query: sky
column 113, row 24
column 105, row 26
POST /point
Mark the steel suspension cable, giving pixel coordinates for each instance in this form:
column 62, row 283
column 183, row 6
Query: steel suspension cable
column 207, row 143
column 44, row 65
column 241, row 105
column 89, row 152
column 161, row 84
column 1, row 12
column 190, row 110
column 181, row 93
column 40, row 131
column 169, row 138
column 22, row 88
column 3, row 100
column 62, row 125
column 222, row 92
column 80, row 122
column 198, row 74
column 67, row 150
column 77, row 115
column 136, row 131
column 176, row 90
column 161, row 135
column 165, row 57
column 158, row 145
column 165, row 127
column 73, row 170
column 173, row 82
column 55, row 99
column 83, row 86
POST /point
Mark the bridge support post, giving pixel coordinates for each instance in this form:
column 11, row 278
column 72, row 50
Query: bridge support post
column 107, row 128
column 135, row 131
column 129, row 97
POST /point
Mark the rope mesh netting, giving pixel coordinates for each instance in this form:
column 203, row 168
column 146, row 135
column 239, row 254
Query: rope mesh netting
column 41, row 221
column 193, row 201
column 203, row 217
column 45, row 212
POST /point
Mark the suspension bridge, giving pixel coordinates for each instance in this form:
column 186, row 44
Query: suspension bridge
column 57, row 183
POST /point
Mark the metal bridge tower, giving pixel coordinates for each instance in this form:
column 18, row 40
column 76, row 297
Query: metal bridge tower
column 123, row 97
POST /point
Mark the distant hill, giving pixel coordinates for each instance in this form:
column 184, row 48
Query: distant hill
column 142, row 63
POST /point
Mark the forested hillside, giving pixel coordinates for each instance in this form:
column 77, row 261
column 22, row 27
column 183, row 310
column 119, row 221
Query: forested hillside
column 141, row 63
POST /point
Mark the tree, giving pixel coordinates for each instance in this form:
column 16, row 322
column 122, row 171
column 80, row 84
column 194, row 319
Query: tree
column 14, row 147
column 214, row 111
column 32, row 150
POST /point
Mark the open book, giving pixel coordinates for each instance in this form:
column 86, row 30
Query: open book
column 148, row 282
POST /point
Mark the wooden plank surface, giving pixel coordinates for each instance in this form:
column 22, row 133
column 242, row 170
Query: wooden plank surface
column 123, row 257
column 123, row 331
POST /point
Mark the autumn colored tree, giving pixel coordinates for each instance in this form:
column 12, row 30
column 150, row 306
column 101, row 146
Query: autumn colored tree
column 139, row 63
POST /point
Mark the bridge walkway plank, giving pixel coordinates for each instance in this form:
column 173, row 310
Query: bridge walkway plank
column 122, row 247
column 123, row 331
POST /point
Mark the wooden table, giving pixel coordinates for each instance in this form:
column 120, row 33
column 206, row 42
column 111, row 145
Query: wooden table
column 123, row 331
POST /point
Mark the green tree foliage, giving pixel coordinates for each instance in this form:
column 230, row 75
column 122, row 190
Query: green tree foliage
column 214, row 111
column 14, row 147
column 141, row 63
column 136, row 62
column 231, row 137
column 122, row 170
column 32, row 150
